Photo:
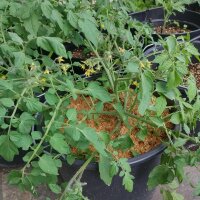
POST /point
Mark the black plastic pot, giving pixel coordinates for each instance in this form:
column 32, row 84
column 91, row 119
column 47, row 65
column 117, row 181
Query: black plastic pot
column 194, row 7
column 156, row 18
column 96, row 189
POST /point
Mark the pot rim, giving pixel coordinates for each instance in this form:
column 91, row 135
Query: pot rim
column 162, row 9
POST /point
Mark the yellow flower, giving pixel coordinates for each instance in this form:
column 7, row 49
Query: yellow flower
column 33, row 67
column 89, row 72
column 64, row 67
column 43, row 80
column 142, row 65
column 3, row 77
column 46, row 71
column 149, row 64
column 83, row 66
column 121, row 50
column 60, row 59
column 102, row 26
column 136, row 83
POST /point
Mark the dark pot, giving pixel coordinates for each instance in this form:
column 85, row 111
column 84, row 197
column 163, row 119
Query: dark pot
column 96, row 189
column 194, row 7
column 17, row 161
column 156, row 17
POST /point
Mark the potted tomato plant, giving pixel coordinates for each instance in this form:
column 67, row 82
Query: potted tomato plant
column 170, row 19
column 109, row 130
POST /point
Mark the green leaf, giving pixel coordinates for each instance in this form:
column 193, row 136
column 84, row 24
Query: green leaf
column 104, row 169
column 192, row 90
column 73, row 19
column 142, row 134
column 71, row 114
column 33, row 105
column 93, row 137
column 171, row 44
column 51, row 99
column 7, row 149
column 7, row 102
column 73, row 132
column 191, row 49
column 176, row 118
column 36, row 135
column 48, row 165
column 15, row 38
column 160, row 105
column 161, row 174
column 26, row 122
column 179, row 142
column 146, row 90
column 57, row 17
column 90, row 31
column 19, row 59
column 98, row 92
column 52, row 44
column 59, row 144
column 128, row 182
column 55, row 188
column 21, row 140
column 123, row 142
column 133, row 67
column 46, row 8
column 32, row 24
column 173, row 79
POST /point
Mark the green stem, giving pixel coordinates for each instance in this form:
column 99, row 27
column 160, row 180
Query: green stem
column 141, row 119
column 110, row 78
column 73, row 179
column 44, row 136
column 15, row 109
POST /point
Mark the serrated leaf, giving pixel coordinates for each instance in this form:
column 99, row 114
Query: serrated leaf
column 32, row 24
column 98, row 92
column 26, row 122
column 133, row 67
column 71, row 114
column 93, row 137
column 57, row 17
column 33, row 105
column 51, row 99
column 128, row 182
column 23, row 141
column 48, row 165
column 160, row 105
column 55, row 188
column 161, row 174
column 104, row 169
column 7, row 102
column 59, row 144
column 36, row 135
column 19, row 59
column 7, row 148
column 90, row 30
column 146, row 90
column 52, row 44
column 192, row 90
column 15, row 37
column 46, row 8
column 171, row 44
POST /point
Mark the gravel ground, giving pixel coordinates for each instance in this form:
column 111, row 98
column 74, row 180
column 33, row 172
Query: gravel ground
column 11, row 193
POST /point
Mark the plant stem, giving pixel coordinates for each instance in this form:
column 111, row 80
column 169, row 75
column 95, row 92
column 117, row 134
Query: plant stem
column 81, row 169
column 15, row 109
column 44, row 136
column 141, row 119
column 110, row 78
